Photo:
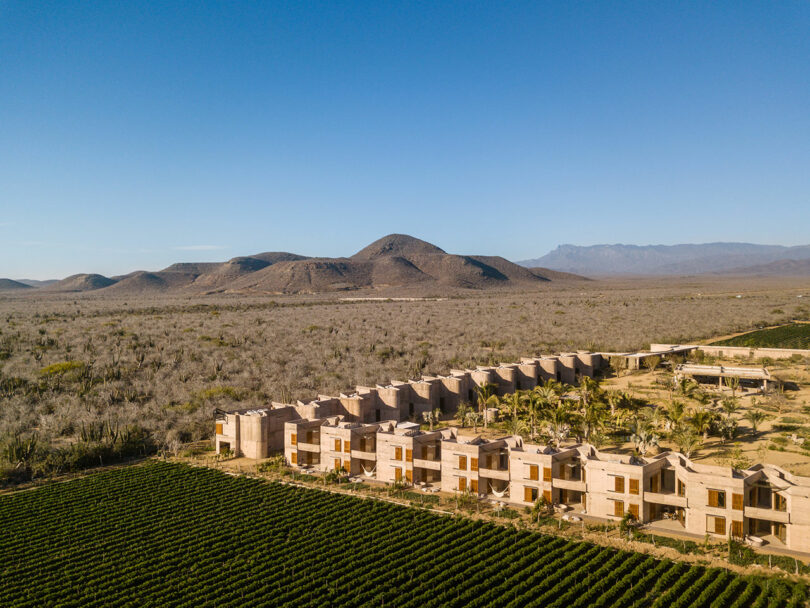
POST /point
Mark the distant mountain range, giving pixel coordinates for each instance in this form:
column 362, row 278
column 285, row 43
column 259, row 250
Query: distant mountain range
column 396, row 260
column 730, row 258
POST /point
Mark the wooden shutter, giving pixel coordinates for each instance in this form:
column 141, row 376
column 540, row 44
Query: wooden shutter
column 633, row 509
column 294, row 457
column 719, row 525
column 408, row 455
column 546, row 473
column 618, row 484
column 534, row 472
column 337, row 464
column 219, row 428
column 779, row 502
column 462, row 463
column 737, row 529
column 337, row 445
column 654, row 483
column 527, row 494
column 618, row 508
column 547, row 496
column 717, row 498
column 681, row 488
column 397, row 453
column 294, row 439
column 474, row 485
column 462, row 484
column 347, row 464
column 424, row 452
column 634, row 486
column 409, row 475
column 473, row 464
column 397, row 474
column 309, row 436
column 737, row 502
column 347, row 446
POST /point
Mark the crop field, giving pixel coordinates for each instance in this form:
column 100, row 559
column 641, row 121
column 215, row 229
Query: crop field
column 787, row 336
column 171, row 535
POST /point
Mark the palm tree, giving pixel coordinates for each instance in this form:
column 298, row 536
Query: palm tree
column 643, row 436
column 587, row 390
column 514, row 403
column 702, row 422
column 673, row 414
column 733, row 383
column 559, row 422
column 615, row 400
column 461, row 413
column 474, row 419
column 432, row 417
column 730, row 406
column 754, row 417
column 538, row 401
column 485, row 396
column 516, row 426
column 686, row 440
column 593, row 419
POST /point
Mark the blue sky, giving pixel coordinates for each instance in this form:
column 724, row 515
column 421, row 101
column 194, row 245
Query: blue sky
column 134, row 135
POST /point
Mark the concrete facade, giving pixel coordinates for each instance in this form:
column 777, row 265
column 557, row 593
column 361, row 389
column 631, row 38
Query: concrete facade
column 259, row 432
column 762, row 503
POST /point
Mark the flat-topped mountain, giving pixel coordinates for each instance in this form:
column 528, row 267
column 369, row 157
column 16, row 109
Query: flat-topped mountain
column 664, row 259
column 394, row 261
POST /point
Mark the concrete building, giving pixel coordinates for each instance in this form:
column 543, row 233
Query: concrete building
column 258, row 432
column 757, row 378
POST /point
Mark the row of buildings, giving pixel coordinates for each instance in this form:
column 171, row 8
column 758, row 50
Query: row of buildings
column 668, row 490
column 371, row 432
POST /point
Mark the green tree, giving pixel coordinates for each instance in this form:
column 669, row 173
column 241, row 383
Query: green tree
column 485, row 397
column 755, row 418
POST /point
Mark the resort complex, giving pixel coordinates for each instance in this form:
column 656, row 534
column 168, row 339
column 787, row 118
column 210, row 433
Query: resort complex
column 372, row 434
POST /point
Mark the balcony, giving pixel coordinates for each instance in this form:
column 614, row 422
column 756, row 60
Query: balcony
column 304, row 446
column 364, row 455
column 782, row 517
column 665, row 498
column 433, row 465
column 568, row 484
column 494, row 473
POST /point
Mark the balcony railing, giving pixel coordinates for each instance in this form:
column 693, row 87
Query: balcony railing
column 782, row 517
column 494, row 473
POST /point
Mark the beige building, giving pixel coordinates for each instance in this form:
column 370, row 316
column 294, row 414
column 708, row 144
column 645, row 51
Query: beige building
column 668, row 492
column 258, row 432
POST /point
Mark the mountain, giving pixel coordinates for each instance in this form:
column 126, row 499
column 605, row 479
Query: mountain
column 779, row 268
column 12, row 285
column 664, row 259
column 394, row 261
column 34, row 283
column 80, row 282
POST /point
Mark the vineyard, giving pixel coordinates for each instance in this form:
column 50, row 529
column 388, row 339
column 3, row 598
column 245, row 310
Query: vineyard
column 787, row 336
column 171, row 535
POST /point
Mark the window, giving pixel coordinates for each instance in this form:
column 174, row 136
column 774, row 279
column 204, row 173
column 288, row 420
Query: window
column 681, row 488
column 409, row 475
column 534, row 472
column 462, row 463
column 633, row 510
column 546, row 473
column 410, row 409
column 779, row 502
column 441, row 404
column 529, row 494
column 397, row 474
column 474, row 486
column 347, row 446
column 397, row 453
column 618, row 508
column 294, row 439
column 634, row 487
column 717, row 498
column 462, row 484
column 547, row 496
column 654, row 483
column 737, row 529
column 337, row 464
column 309, row 436
column 337, row 445
column 716, row 525
column 618, row 484
column 294, row 458
column 377, row 415
column 408, row 455
column 219, row 428
column 347, row 464
column 737, row 502
column 473, row 464
column 424, row 452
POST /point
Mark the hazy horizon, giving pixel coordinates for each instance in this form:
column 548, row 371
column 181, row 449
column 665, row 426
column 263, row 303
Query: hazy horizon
column 139, row 135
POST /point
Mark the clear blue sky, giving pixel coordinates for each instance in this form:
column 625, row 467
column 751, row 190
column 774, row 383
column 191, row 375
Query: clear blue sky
column 136, row 134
